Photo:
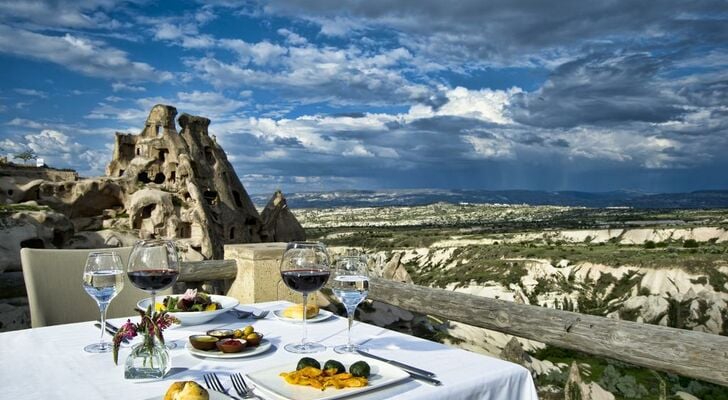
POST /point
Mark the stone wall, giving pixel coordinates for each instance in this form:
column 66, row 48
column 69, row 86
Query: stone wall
column 23, row 174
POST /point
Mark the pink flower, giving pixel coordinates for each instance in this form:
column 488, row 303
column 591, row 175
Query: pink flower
column 189, row 294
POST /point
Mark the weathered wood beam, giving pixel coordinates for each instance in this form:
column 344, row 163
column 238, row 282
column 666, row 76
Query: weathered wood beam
column 689, row 353
column 207, row 270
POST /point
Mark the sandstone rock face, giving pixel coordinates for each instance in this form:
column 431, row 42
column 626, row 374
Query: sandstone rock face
column 160, row 183
column 279, row 224
column 34, row 227
column 191, row 191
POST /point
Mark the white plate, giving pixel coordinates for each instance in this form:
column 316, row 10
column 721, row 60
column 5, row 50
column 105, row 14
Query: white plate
column 196, row 317
column 213, row 396
column 382, row 375
column 248, row 352
column 321, row 316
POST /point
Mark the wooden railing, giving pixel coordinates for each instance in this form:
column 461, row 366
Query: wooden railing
column 688, row 353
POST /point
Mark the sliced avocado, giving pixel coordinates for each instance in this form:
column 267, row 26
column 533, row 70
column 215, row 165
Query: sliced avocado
column 335, row 365
column 307, row 362
column 360, row 368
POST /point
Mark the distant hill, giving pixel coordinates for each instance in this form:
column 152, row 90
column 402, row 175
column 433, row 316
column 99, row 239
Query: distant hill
column 415, row 197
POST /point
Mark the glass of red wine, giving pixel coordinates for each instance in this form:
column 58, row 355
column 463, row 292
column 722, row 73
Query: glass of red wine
column 305, row 269
column 153, row 266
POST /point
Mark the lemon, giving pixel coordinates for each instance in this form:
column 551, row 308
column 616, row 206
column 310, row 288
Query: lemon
column 211, row 307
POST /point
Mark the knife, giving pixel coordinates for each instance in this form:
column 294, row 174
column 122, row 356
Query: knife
column 431, row 381
column 111, row 329
column 404, row 366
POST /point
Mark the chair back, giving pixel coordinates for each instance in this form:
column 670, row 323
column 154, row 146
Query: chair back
column 53, row 280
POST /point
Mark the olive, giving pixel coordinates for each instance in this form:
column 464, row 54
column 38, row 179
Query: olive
column 248, row 330
column 360, row 368
column 334, row 365
column 253, row 339
column 307, row 362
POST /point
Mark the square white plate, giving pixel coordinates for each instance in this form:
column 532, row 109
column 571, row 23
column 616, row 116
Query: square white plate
column 382, row 374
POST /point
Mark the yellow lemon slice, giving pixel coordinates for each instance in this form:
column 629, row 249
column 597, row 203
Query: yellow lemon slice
column 211, row 307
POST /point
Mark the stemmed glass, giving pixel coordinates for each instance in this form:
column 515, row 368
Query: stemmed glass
column 350, row 285
column 103, row 279
column 305, row 269
column 153, row 266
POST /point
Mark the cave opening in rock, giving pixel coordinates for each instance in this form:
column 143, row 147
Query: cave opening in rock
column 172, row 176
column 238, row 200
column 143, row 177
column 209, row 156
column 232, row 233
column 210, row 196
column 33, row 243
column 159, row 178
column 147, row 210
column 184, row 230
column 162, row 154
column 121, row 172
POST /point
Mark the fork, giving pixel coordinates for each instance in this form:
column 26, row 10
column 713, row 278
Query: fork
column 241, row 387
column 246, row 314
column 213, row 382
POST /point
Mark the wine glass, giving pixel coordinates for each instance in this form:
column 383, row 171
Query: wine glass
column 103, row 279
column 350, row 285
column 153, row 266
column 305, row 269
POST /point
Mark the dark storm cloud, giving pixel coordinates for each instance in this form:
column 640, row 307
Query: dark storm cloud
column 507, row 30
column 600, row 89
column 287, row 142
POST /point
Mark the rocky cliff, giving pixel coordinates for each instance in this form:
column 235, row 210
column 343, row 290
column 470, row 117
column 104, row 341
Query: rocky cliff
column 162, row 182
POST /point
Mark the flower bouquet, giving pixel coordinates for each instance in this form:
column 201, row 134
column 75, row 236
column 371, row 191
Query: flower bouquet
column 152, row 350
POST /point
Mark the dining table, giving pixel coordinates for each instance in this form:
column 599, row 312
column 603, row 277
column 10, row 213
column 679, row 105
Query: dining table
column 49, row 362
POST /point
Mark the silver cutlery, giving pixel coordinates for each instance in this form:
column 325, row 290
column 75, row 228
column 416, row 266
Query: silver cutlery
column 213, row 383
column 254, row 315
column 431, row 381
column 111, row 329
column 241, row 387
column 406, row 367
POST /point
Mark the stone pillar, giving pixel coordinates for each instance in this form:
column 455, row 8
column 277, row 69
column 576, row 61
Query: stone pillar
column 258, row 277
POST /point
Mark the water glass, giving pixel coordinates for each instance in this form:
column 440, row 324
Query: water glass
column 103, row 279
column 350, row 285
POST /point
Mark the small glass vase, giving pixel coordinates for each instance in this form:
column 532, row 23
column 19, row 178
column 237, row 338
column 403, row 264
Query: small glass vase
column 148, row 360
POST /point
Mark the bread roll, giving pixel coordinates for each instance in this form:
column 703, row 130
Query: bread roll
column 296, row 311
column 187, row 390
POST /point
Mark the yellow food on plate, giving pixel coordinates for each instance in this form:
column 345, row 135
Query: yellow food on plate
column 314, row 377
column 296, row 311
column 159, row 307
column 186, row 390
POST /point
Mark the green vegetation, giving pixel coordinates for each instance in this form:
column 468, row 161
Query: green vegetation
column 6, row 209
column 623, row 380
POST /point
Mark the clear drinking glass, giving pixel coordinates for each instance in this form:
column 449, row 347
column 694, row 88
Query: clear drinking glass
column 305, row 269
column 153, row 266
column 350, row 285
column 103, row 279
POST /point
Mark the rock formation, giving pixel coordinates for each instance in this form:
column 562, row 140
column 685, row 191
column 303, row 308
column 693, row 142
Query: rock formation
column 164, row 183
column 279, row 223
column 160, row 183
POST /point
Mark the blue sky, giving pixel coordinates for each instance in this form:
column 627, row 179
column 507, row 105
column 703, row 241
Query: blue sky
column 309, row 95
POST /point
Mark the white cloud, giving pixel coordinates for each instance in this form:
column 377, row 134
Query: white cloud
column 25, row 123
column 89, row 57
column 490, row 147
column 485, row 104
column 120, row 86
column 31, row 92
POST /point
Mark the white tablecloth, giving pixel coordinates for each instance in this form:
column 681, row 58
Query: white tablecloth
column 49, row 363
